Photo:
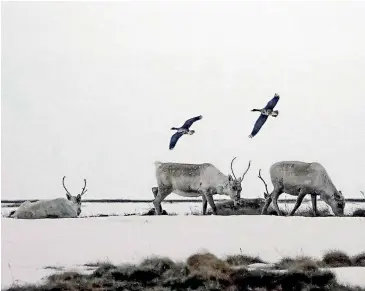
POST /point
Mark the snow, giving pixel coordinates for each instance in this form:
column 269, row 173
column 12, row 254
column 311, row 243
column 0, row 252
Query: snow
column 30, row 245
column 92, row 208
column 354, row 276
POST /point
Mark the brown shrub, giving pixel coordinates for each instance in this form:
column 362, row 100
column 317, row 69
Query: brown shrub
column 336, row 258
column 202, row 271
column 359, row 213
column 64, row 277
column 160, row 264
column 208, row 265
column 358, row 260
column 237, row 260
column 298, row 264
column 305, row 265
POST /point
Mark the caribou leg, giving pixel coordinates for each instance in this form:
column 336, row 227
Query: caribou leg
column 211, row 202
column 268, row 200
column 163, row 192
column 301, row 195
column 155, row 192
column 205, row 204
column 275, row 195
column 314, row 204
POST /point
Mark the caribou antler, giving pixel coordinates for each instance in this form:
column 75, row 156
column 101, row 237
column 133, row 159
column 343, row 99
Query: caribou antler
column 249, row 165
column 362, row 192
column 262, row 179
column 83, row 189
column 232, row 168
column 63, row 183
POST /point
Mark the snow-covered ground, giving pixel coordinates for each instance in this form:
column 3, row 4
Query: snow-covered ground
column 182, row 208
column 30, row 245
column 92, row 209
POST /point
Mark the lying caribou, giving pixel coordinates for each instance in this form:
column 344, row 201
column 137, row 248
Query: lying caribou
column 194, row 180
column 53, row 208
column 300, row 178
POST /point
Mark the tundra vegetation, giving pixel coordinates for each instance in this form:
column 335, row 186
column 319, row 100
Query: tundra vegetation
column 202, row 271
column 69, row 207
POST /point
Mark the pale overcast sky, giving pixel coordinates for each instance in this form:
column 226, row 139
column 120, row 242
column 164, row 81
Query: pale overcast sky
column 91, row 89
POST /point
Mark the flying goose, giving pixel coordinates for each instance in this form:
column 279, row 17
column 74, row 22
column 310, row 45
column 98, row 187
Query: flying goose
column 265, row 112
column 180, row 131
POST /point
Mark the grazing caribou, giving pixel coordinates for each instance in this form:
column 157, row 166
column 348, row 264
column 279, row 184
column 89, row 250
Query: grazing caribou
column 53, row 208
column 194, row 180
column 300, row 178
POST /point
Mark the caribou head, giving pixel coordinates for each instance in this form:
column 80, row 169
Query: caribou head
column 76, row 200
column 235, row 184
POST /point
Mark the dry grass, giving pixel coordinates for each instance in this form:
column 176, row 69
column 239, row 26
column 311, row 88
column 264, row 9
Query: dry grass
column 336, row 258
column 97, row 264
column 242, row 260
column 358, row 260
column 299, row 263
column 65, row 277
column 57, row 268
column 207, row 265
column 331, row 259
column 247, row 207
column 202, row 271
column 254, row 207
column 359, row 212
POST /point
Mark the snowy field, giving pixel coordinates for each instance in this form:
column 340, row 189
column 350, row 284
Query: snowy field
column 93, row 209
column 28, row 246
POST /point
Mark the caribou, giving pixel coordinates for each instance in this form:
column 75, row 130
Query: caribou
column 299, row 179
column 52, row 208
column 194, row 180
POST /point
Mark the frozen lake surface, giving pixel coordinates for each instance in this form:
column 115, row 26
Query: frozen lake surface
column 28, row 246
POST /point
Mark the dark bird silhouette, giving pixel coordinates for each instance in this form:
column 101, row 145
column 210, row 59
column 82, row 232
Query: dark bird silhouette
column 180, row 131
column 265, row 112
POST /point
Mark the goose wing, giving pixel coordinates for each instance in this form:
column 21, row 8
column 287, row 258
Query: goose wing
column 258, row 124
column 272, row 103
column 190, row 121
column 175, row 137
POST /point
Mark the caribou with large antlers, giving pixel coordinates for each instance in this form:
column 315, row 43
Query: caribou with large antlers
column 54, row 208
column 194, row 180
